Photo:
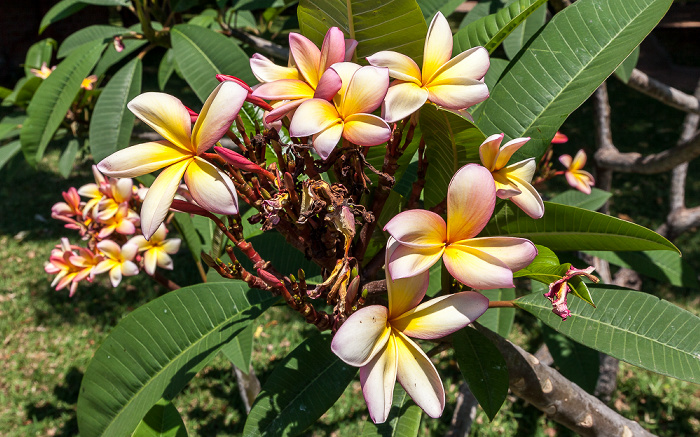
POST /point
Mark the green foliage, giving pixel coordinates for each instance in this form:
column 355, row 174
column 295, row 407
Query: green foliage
column 59, row 11
column 499, row 320
column 158, row 348
column 87, row 35
column 162, row 420
column 377, row 25
column 592, row 201
column 432, row 7
column 578, row 363
column 566, row 62
column 634, row 327
column 39, row 53
column 529, row 27
column 403, row 420
column 300, row 389
column 65, row 164
column 624, row 71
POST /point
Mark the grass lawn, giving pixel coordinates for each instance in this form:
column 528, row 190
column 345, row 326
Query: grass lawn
column 49, row 338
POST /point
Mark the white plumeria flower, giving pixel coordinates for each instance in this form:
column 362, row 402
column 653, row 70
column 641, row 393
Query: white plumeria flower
column 118, row 261
column 180, row 153
column 157, row 250
column 375, row 339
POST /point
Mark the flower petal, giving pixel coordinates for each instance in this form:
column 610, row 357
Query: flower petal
column 471, row 198
column 442, row 316
column 350, row 46
column 470, row 64
column 400, row 66
column 366, row 130
column 489, row 151
column 332, row 49
column 141, row 159
column 150, row 259
column 166, row 115
column 417, row 228
column 438, row 46
column 403, row 99
column 325, row 141
column 312, row 117
column 365, row 92
column 115, row 275
column 219, row 111
column 159, row 197
column 329, row 85
column 407, row 262
column 529, row 199
column 516, row 253
column 266, row 71
column 283, row 109
column 507, row 151
column 163, row 260
column 417, row 375
column 129, row 269
column 211, row 189
column 378, row 378
column 345, row 70
column 362, row 335
column 458, row 96
column 307, row 57
column 284, row 89
column 579, row 160
column 477, row 269
column 109, row 248
column 565, row 160
column 404, row 294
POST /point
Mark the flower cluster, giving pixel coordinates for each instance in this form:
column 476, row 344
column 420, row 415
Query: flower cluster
column 108, row 221
column 44, row 71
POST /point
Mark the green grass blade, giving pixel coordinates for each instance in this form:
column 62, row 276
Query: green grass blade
column 629, row 325
column 569, row 228
column 53, row 99
column 112, row 122
column 201, row 54
column 303, row 386
column 564, row 64
column 155, row 350
column 491, row 30
column 403, row 420
column 377, row 25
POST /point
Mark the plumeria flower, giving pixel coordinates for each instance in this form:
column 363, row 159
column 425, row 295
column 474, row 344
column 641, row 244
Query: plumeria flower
column 124, row 222
column 119, row 192
column 157, row 250
column 89, row 82
column 481, row 263
column 577, row 178
column 43, row 72
column 376, row 339
column 349, row 116
column 451, row 83
column 512, row 181
column 559, row 138
column 94, row 192
column 558, row 290
column 70, row 208
column 60, row 265
column 308, row 75
column 118, row 261
column 180, row 153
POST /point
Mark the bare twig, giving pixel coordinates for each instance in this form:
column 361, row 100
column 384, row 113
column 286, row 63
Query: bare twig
column 664, row 93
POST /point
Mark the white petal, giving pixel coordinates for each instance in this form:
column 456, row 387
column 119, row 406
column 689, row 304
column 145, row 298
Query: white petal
column 403, row 99
column 142, row 159
column 362, row 335
column 166, row 115
column 160, row 196
column 378, row 378
column 417, row 375
column 211, row 189
column 219, row 111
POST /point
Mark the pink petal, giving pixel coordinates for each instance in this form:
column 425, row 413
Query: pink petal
column 458, row 96
column 471, row 198
column 403, row 99
column 159, row 197
column 417, row 375
column 333, row 48
column 366, row 130
column 280, row 111
column 219, row 111
column 489, row 151
column 307, row 57
column 284, row 89
column 266, row 71
column 166, row 115
column 470, row 64
column 438, row 45
column 442, row 316
column 404, row 294
column 312, row 117
column 529, row 199
column 362, row 336
column 350, row 46
column 400, row 66
column 325, row 141
column 516, row 253
column 378, row 378
column 565, row 160
column 407, row 262
column 211, row 189
column 366, row 91
column 417, row 228
column 345, row 70
column 142, row 159
column 328, row 86
column 508, row 149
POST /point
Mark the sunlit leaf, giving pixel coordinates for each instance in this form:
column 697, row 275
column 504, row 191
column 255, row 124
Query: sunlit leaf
column 162, row 420
column 517, row 39
column 592, row 201
column 578, row 363
column 88, row 34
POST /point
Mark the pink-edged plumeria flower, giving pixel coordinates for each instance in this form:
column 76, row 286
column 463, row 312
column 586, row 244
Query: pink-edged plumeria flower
column 118, row 261
column 512, row 181
column 118, row 192
column 558, row 290
column 575, row 176
column 42, row 72
column 123, row 221
column 559, row 138
column 89, row 82
column 61, row 266
column 376, row 339
column 157, row 250
column 72, row 206
column 94, row 192
column 454, row 84
column 308, row 75
column 180, row 153
column 349, row 116
column 480, row 263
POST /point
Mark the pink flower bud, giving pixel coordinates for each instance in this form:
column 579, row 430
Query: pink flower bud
column 239, row 161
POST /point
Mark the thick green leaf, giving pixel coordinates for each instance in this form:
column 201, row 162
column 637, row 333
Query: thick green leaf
column 499, row 320
column 579, row 363
column 432, row 7
column 107, row 2
column 65, row 163
column 303, row 386
column 10, row 125
column 188, row 232
column 624, row 71
column 59, row 11
column 569, row 228
column 482, row 9
column 629, row 325
column 155, row 350
column 491, row 30
column 526, row 30
column 111, row 56
column 377, row 25
column 88, row 34
column 664, row 266
column 592, row 201
column 8, row 151
column 39, row 53
column 240, row 349
column 166, row 68
column 566, row 62
column 23, row 92
column 451, row 142
column 496, row 69
column 483, row 367
column 112, row 122
column 403, row 420
column 162, row 420
column 272, row 246
column 201, row 54
column 53, row 98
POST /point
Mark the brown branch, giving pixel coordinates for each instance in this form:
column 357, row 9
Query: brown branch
column 664, row 93
column 562, row 400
